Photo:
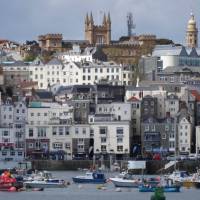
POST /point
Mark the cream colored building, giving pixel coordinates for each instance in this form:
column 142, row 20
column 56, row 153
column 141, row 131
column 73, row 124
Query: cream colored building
column 192, row 32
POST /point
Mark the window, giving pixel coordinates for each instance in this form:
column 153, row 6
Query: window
column 84, row 130
column 146, row 128
column 66, row 131
column 60, row 130
column 54, row 130
column 120, row 131
column 76, row 131
column 89, row 78
column 4, row 153
column 5, row 133
column 164, row 136
column 38, row 114
column 119, row 140
column 30, row 132
column 103, row 148
column 30, row 145
column 84, row 77
column 67, row 145
column 167, row 128
column 103, row 130
column 12, row 153
column 103, row 139
column 20, row 153
column 41, row 132
column 57, row 145
column 119, row 148
column 101, row 70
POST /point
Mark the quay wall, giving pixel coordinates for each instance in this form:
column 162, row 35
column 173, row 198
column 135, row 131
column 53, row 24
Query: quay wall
column 152, row 167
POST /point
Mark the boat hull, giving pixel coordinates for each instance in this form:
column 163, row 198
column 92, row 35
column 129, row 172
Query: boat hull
column 43, row 185
column 84, row 180
column 124, row 183
column 165, row 189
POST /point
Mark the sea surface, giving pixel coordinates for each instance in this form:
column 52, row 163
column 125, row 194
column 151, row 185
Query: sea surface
column 90, row 192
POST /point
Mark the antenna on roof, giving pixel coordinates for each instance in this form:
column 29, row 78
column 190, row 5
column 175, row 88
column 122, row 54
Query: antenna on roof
column 130, row 24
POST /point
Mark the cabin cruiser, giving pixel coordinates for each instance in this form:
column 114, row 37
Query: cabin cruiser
column 90, row 177
column 179, row 177
column 43, row 180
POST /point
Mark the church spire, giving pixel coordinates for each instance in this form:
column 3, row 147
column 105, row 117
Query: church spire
column 108, row 19
column 87, row 19
column 104, row 19
column 91, row 19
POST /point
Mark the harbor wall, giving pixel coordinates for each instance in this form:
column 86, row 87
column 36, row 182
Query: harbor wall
column 152, row 167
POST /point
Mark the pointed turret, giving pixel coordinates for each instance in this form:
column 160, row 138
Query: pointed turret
column 91, row 19
column 108, row 19
column 104, row 19
column 87, row 19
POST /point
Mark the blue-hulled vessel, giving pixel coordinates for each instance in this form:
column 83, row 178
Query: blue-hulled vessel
column 173, row 188
column 90, row 177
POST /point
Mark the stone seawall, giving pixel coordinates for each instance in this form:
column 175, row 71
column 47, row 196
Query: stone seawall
column 152, row 167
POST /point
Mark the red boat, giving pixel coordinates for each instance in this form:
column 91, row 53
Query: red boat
column 8, row 183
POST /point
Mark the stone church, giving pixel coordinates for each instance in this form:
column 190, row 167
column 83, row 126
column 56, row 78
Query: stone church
column 98, row 34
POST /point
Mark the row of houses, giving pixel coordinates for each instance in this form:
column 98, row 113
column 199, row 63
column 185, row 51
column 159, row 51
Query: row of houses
column 83, row 121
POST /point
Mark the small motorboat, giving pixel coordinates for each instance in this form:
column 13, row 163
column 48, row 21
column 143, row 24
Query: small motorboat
column 122, row 182
column 179, row 177
column 166, row 188
column 90, row 177
column 45, row 184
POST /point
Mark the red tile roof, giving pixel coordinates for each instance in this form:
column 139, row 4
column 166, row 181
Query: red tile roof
column 196, row 94
column 133, row 99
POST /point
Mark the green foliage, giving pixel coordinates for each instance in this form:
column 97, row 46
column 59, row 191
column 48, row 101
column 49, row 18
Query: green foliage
column 158, row 195
column 29, row 58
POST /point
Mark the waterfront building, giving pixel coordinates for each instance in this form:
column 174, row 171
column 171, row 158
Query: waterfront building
column 48, row 130
column 185, row 131
column 12, row 126
column 158, row 135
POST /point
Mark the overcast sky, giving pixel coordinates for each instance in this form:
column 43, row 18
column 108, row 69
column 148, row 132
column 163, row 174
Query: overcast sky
column 22, row 20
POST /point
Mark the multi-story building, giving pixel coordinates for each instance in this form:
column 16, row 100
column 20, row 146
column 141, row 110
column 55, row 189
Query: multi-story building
column 48, row 130
column 172, row 105
column 158, row 135
column 111, row 137
column 185, row 131
column 148, row 107
column 13, row 121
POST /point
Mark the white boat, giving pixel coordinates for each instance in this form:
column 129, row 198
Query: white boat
column 122, row 182
column 179, row 177
column 45, row 184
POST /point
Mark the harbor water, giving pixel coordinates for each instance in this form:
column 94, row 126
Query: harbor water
column 90, row 192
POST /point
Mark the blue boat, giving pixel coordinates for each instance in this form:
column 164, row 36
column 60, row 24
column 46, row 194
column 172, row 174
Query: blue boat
column 90, row 177
column 173, row 188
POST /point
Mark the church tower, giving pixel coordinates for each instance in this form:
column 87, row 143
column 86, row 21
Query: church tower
column 98, row 34
column 192, row 33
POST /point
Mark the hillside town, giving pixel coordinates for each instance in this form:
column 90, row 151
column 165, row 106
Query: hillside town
column 136, row 97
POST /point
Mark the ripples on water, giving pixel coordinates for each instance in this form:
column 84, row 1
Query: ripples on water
column 89, row 192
